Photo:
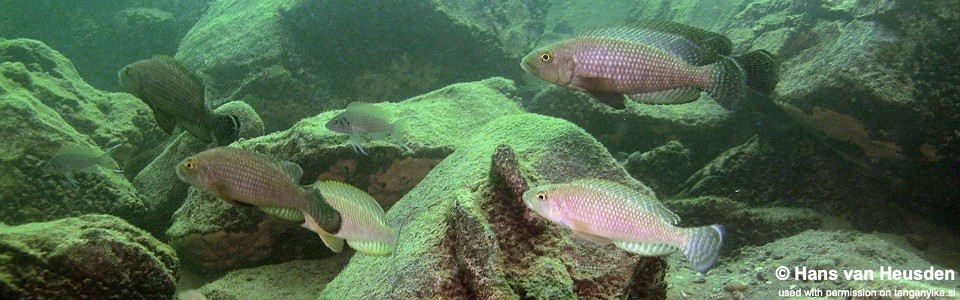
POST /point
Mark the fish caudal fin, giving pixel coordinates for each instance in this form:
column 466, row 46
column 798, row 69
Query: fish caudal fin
column 226, row 129
column 761, row 69
column 756, row 70
column 703, row 246
column 727, row 83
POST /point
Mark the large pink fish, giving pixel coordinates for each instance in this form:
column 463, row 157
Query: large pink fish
column 608, row 212
column 653, row 62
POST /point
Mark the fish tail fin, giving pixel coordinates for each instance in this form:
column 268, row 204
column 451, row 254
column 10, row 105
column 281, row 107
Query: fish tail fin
column 106, row 161
column 397, row 133
column 226, row 129
column 761, row 69
column 727, row 83
column 702, row 247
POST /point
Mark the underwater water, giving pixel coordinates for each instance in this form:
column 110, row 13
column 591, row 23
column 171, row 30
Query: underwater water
column 525, row 149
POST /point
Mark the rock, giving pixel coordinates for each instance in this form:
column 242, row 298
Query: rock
column 663, row 168
column 158, row 183
column 91, row 256
column 45, row 105
column 304, row 57
column 439, row 123
column 467, row 227
column 298, row 279
column 104, row 36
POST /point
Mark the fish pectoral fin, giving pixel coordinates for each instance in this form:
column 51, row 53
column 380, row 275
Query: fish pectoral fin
column 613, row 100
column 674, row 96
column 584, row 236
column 166, row 122
column 646, row 249
column 69, row 176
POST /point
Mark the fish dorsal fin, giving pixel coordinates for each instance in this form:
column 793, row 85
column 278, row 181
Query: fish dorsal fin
column 648, row 203
column 292, row 170
column 289, row 214
column 695, row 46
column 370, row 110
column 340, row 194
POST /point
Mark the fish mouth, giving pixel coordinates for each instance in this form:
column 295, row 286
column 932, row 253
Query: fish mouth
column 523, row 65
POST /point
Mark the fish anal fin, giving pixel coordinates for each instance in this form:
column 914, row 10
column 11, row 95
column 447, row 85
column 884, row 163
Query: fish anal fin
column 674, row 96
column 377, row 248
column 646, row 249
column 289, row 214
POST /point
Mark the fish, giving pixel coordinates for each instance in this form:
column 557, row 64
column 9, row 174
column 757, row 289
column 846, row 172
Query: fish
column 606, row 212
column 175, row 94
column 72, row 158
column 653, row 62
column 244, row 178
column 364, row 226
column 365, row 120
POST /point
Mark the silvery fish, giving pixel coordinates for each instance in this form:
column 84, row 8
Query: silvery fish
column 367, row 120
column 71, row 158
column 653, row 62
column 364, row 225
column 175, row 94
column 604, row 212
column 245, row 178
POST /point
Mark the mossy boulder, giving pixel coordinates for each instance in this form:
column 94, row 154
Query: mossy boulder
column 293, row 59
column 298, row 279
column 466, row 226
column 91, row 256
column 46, row 105
column 438, row 123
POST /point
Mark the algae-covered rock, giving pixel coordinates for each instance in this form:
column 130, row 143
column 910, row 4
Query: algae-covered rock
column 438, row 123
column 91, row 256
column 46, row 105
column 298, row 279
column 292, row 59
column 466, row 226
column 162, row 191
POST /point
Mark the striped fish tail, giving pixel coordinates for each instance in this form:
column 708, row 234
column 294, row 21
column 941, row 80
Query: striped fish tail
column 756, row 70
column 703, row 246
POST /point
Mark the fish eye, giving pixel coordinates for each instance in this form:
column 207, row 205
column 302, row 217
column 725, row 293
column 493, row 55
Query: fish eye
column 189, row 164
column 541, row 196
column 546, row 56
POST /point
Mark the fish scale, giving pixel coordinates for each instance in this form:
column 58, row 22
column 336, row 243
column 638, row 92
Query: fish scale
column 634, row 67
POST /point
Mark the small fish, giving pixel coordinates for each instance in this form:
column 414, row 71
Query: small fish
column 175, row 94
column 658, row 62
column 363, row 224
column 604, row 212
column 73, row 158
column 370, row 121
column 245, row 178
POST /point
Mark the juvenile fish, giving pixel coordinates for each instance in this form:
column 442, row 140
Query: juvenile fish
column 175, row 94
column 245, row 178
column 72, row 158
column 365, row 120
column 607, row 212
column 364, row 225
column 653, row 62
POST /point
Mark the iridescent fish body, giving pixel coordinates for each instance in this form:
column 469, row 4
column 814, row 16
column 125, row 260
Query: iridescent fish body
column 72, row 158
column 364, row 120
column 653, row 62
column 175, row 94
column 245, row 178
column 608, row 212
column 364, row 224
